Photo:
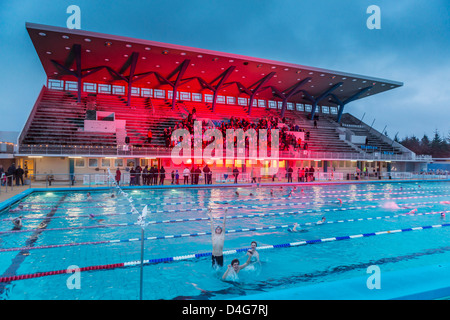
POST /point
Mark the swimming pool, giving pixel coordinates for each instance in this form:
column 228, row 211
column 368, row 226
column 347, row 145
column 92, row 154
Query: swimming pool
column 366, row 224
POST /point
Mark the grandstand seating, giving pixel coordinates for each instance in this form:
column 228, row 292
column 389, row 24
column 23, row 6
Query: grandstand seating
column 59, row 120
column 375, row 143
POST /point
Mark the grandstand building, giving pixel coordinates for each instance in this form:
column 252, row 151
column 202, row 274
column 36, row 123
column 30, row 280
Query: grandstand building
column 104, row 93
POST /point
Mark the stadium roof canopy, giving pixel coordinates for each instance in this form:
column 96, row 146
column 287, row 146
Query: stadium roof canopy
column 80, row 55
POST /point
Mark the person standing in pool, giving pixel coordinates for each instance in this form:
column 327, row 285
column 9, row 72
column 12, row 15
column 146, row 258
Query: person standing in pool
column 255, row 254
column 234, row 268
column 218, row 239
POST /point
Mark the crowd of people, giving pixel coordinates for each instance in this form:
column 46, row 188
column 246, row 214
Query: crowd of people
column 286, row 138
column 192, row 175
column 303, row 174
column 11, row 174
column 148, row 176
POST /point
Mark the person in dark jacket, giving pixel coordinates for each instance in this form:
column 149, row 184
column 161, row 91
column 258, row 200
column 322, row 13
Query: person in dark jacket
column 162, row 175
column 207, row 172
column 235, row 174
column 11, row 173
column 151, row 175
column 289, row 174
column 155, row 175
column 19, row 175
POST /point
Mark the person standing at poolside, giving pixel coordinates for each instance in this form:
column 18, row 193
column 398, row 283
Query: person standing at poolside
column 218, row 239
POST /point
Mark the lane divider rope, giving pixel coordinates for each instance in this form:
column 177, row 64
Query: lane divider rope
column 228, row 252
column 257, row 206
column 197, row 234
column 255, row 215
column 251, row 199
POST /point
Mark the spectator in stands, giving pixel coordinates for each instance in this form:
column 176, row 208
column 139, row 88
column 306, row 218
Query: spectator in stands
column 315, row 124
column 305, row 146
column 19, row 175
column 149, row 135
column 186, row 174
column 235, row 174
column 118, row 176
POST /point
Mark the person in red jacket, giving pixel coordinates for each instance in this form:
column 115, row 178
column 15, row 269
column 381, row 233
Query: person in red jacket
column 149, row 136
column 118, row 176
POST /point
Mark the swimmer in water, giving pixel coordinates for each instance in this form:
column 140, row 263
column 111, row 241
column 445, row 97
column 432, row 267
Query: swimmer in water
column 412, row 211
column 271, row 192
column 218, row 239
column 17, row 222
column 234, row 268
column 91, row 216
column 340, row 201
column 88, row 196
column 294, row 229
column 255, row 254
column 237, row 193
column 19, row 208
column 321, row 221
column 442, row 215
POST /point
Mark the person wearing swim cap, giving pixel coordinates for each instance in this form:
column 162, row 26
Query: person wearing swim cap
column 218, row 239
column 17, row 222
column 321, row 221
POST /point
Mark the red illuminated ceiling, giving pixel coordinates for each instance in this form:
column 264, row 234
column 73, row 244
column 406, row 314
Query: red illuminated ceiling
column 155, row 60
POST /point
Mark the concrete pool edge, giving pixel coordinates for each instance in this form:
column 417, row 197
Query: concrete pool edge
column 420, row 283
column 10, row 201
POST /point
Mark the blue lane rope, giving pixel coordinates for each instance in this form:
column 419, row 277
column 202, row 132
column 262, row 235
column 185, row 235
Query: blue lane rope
column 285, row 245
column 274, row 204
column 333, row 193
column 255, row 198
column 209, row 233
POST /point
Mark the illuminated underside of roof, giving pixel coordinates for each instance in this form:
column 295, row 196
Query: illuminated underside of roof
column 80, row 55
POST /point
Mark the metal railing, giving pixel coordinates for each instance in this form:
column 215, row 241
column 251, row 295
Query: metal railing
column 127, row 178
column 163, row 152
column 7, row 182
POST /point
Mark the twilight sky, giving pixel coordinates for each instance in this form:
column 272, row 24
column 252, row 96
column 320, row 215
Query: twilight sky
column 412, row 46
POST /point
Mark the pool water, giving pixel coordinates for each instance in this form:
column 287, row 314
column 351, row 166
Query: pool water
column 62, row 229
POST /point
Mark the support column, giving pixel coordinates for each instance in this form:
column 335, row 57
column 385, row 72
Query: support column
column 134, row 58
column 77, row 51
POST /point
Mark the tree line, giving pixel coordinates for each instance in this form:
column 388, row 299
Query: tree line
column 438, row 146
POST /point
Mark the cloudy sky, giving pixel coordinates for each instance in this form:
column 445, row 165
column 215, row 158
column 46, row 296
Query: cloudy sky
column 412, row 46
